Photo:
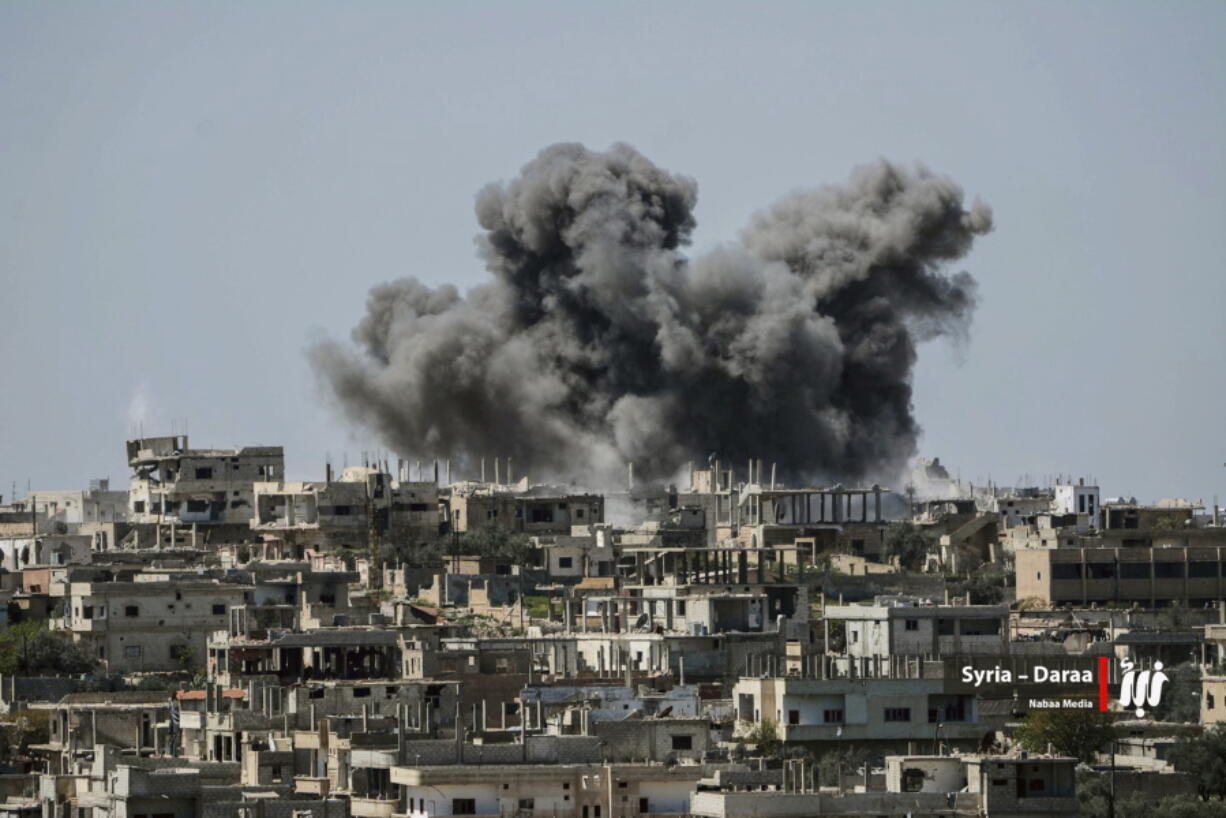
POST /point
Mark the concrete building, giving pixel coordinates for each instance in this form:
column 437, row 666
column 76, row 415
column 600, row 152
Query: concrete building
column 342, row 512
column 1213, row 699
column 882, row 711
column 1149, row 576
column 886, row 629
column 588, row 551
column 173, row 484
column 522, row 508
column 1080, row 499
column 915, row 786
column 158, row 622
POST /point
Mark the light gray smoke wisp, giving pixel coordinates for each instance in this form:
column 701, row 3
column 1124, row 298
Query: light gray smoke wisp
column 599, row 343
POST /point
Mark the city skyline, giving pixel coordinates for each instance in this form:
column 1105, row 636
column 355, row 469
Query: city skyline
column 189, row 209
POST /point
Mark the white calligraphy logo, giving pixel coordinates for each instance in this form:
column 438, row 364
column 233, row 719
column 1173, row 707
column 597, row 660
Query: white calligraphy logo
column 1141, row 687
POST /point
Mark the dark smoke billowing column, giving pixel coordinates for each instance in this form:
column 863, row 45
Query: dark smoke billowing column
column 599, row 343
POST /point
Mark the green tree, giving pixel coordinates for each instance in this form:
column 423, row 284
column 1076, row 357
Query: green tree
column 1078, row 733
column 1170, row 522
column 843, row 762
column 1181, row 697
column 29, row 649
column 1177, row 617
column 765, row 736
column 1093, row 794
column 909, row 544
column 1183, row 805
column 21, row 730
column 985, row 586
column 1205, row 757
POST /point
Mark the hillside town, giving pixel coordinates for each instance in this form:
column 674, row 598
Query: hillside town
column 411, row 639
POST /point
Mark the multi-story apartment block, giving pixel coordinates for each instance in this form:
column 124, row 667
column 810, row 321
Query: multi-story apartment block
column 919, row 630
column 1149, row 576
column 159, row 622
column 875, row 712
column 531, row 510
column 344, row 512
column 173, row 484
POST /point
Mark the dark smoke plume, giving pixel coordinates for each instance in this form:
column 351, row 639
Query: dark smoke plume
column 599, row 343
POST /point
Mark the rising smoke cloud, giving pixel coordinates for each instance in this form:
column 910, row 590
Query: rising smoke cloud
column 600, row 343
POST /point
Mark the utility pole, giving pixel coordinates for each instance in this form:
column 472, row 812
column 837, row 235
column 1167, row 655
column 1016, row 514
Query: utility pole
column 1111, row 786
column 372, row 539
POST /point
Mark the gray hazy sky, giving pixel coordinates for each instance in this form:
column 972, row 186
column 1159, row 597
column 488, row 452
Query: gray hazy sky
column 190, row 192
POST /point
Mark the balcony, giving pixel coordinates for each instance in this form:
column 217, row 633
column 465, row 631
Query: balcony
column 81, row 625
column 307, row 785
column 373, row 807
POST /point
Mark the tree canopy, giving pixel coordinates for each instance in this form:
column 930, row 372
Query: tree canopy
column 29, row 649
column 909, row 544
column 1078, row 733
column 1205, row 757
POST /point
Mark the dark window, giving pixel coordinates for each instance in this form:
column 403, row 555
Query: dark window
column 139, row 506
column 898, row 714
column 793, row 717
column 680, row 607
column 834, row 716
column 180, row 652
column 565, row 562
column 1066, row 570
column 204, row 473
column 912, row 624
column 131, row 610
column 219, row 610
column 1134, row 570
column 527, row 803
column 463, row 806
column 361, row 692
column 912, row 780
column 1100, row 570
column 197, row 505
column 644, row 805
column 1202, row 569
column 1168, row 570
